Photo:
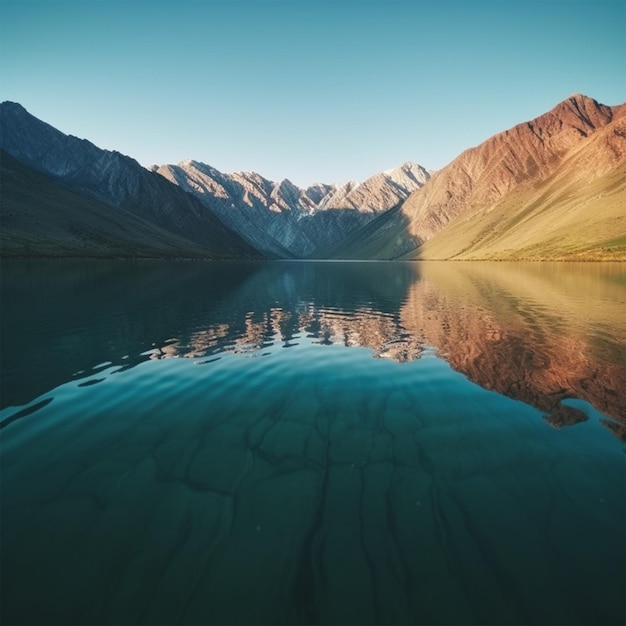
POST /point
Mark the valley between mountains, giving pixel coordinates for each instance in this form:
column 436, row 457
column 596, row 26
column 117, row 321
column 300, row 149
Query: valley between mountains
column 553, row 188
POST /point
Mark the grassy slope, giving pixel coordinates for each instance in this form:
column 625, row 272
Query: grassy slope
column 577, row 213
column 40, row 217
column 563, row 219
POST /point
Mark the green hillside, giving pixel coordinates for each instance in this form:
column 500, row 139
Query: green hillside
column 40, row 217
column 564, row 218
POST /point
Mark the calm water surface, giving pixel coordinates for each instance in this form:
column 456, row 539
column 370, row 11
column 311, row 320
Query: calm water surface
column 302, row 443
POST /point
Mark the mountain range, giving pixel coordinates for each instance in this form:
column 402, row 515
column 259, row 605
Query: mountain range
column 550, row 188
column 284, row 220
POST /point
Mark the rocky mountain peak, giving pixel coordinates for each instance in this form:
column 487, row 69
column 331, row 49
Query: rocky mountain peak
column 523, row 156
column 284, row 219
column 13, row 107
column 409, row 175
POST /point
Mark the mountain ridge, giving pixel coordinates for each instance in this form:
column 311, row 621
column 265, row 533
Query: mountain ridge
column 113, row 179
column 512, row 171
column 41, row 217
column 563, row 210
column 285, row 220
column 496, row 164
column 549, row 188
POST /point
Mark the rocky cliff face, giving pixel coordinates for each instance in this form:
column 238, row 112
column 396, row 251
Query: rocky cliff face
column 115, row 180
column 285, row 220
column 379, row 192
column 525, row 155
column 576, row 212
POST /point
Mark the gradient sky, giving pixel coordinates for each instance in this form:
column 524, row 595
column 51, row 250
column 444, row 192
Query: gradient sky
column 305, row 90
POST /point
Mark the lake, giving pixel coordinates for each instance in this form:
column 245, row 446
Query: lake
column 313, row 443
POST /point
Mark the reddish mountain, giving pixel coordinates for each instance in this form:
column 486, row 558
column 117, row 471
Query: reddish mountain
column 550, row 188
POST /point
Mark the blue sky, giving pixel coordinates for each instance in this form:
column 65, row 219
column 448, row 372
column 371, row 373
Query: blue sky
column 310, row 91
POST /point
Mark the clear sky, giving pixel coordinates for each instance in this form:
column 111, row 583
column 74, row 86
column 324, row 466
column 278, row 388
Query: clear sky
column 305, row 90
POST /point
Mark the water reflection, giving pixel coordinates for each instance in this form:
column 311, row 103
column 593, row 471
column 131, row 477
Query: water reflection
column 539, row 333
column 191, row 443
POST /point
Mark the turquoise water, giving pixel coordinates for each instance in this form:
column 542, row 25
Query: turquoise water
column 302, row 443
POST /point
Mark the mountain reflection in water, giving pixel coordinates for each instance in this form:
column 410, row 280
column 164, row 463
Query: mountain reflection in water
column 292, row 442
column 539, row 333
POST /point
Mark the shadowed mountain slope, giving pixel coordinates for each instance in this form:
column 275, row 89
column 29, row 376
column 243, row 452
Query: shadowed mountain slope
column 108, row 178
column 385, row 237
column 41, row 217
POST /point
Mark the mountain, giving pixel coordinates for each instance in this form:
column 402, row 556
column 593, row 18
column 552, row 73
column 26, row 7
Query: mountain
column 550, row 188
column 379, row 192
column 41, row 217
column 75, row 188
column 576, row 213
column 288, row 221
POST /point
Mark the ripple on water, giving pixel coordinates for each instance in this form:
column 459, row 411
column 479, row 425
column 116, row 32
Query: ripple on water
column 315, row 484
